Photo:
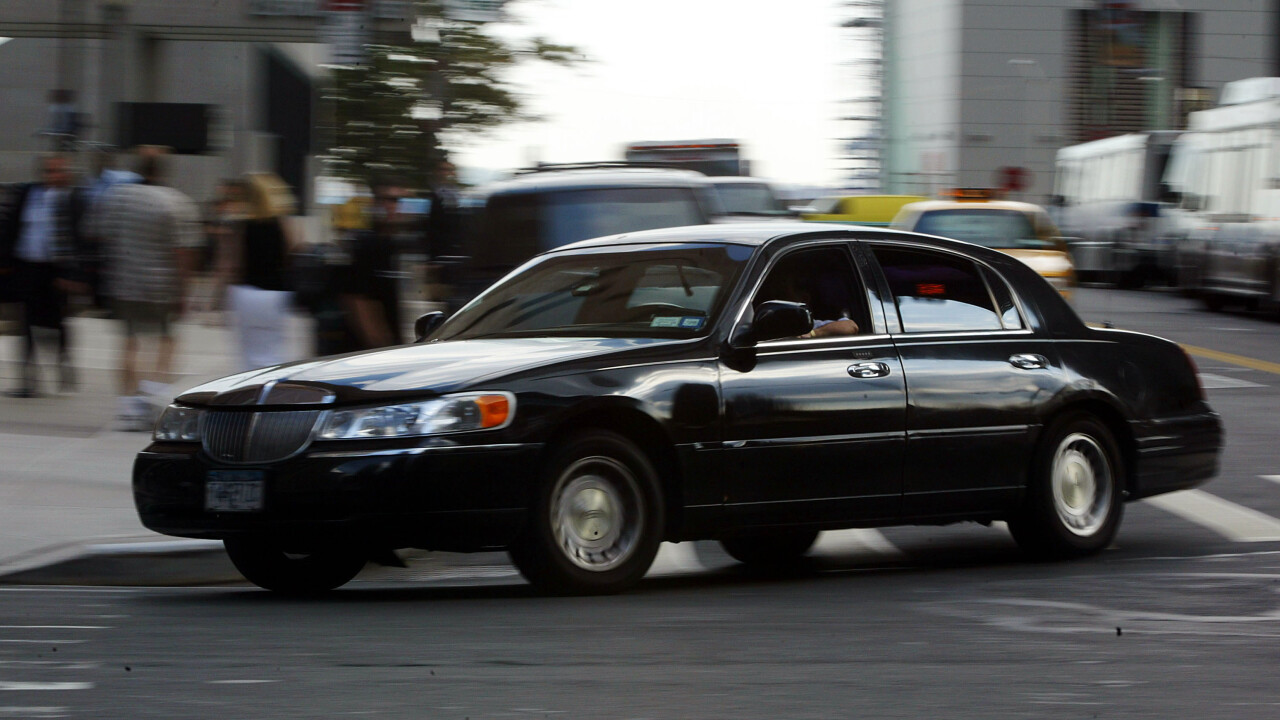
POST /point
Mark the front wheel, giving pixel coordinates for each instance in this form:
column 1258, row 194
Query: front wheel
column 1074, row 499
column 267, row 565
column 597, row 520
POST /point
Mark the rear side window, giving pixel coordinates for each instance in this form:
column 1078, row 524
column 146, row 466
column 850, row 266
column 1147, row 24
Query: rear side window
column 938, row 292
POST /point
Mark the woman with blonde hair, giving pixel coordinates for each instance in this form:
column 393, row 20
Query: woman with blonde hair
column 253, row 268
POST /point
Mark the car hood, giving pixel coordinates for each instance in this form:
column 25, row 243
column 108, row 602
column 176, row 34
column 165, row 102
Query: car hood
column 409, row 370
column 1050, row 263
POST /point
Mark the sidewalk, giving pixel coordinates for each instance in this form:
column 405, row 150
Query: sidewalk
column 66, row 508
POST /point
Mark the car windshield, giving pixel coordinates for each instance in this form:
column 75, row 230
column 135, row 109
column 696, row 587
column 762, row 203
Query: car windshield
column 989, row 227
column 651, row 291
column 749, row 199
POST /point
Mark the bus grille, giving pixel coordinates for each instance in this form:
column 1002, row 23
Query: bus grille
column 256, row 437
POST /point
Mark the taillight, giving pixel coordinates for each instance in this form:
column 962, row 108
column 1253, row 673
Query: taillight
column 1195, row 370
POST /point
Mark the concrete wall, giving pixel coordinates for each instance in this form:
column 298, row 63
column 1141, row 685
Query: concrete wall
column 950, row 71
column 167, row 51
column 923, row 108
column 1013, row 56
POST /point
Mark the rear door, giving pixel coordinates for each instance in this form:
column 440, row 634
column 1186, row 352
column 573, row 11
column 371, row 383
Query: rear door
column 977, row 380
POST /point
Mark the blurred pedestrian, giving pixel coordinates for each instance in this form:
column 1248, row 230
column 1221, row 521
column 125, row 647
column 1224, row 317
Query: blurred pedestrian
column 444, row 218
column 102, row 175
column 369, row 290
column 152, row 236
column 222, row 218
column 253, row 267
column 38, row 245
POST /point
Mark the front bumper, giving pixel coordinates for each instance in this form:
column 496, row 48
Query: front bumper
column 446, row 497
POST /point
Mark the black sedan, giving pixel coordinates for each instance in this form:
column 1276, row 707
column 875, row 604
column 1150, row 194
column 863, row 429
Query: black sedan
column 754, row 384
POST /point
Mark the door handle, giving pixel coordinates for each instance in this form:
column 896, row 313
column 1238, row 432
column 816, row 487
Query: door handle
column 1029, row 361
column 868, row 370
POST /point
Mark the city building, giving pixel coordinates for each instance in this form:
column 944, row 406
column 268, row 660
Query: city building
column 982, row 93
column 229, row 85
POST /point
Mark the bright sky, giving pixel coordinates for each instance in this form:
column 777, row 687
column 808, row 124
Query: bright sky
column 759, row 71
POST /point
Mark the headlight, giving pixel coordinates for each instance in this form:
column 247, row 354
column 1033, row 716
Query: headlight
column 178, row 423
column 457, row 413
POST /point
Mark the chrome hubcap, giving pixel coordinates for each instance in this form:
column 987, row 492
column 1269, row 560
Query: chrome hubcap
column 1082, row 481
column 596, row 513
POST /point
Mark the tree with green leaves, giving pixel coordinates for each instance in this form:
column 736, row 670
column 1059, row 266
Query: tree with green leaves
column 395, row 113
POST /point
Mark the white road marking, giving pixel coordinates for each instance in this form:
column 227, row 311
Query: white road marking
column 25, row 686
column 42, row 642
column 240, row 682
column 54, row 664
column 1235, row 522
column 54, row 628
column 675, row 559
column 855, row 541
column 1272, row 478
column 1211, row 381
column 39, row 711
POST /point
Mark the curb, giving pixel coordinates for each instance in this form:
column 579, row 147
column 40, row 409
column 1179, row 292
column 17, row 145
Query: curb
column 145, row 563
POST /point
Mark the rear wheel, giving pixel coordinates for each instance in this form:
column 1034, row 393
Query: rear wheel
column 772, row 549
column 597, row 520
column 269, row 566
column 1074, row 502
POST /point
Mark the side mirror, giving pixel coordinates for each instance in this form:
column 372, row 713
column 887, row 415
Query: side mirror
column 426, row 324
column 776, row 319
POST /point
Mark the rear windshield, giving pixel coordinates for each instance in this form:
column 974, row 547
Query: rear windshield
column 749, row 199
column 516, row 227
column 992, row 228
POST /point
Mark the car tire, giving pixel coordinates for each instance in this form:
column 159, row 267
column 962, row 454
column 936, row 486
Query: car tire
column 597, row 520
column 769, row 550
column 268, row 566
column 1074, row 501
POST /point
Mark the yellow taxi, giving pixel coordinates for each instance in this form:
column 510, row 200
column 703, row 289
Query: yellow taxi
column 875, row 210
column 1020, row 229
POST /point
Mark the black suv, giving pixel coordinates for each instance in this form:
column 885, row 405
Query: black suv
column 553, row 205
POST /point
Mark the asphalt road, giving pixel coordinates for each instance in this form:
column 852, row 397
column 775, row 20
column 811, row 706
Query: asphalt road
column 1178, row 620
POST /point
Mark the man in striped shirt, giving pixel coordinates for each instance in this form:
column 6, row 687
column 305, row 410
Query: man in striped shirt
column 152, row 235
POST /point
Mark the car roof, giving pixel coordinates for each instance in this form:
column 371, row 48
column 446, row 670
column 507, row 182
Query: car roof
column 928, row 205
column 736, row 180
column 589, row 178
column 754, row 234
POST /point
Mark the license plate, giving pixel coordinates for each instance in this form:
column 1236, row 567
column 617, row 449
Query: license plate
column 233, row 491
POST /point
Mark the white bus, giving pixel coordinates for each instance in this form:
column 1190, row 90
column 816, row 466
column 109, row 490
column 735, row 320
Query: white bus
column 1110, row 201
column 1227, row 168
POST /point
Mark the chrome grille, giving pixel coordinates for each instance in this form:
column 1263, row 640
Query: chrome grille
column 256, row 437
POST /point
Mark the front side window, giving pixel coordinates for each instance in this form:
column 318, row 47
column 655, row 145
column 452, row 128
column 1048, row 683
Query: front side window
column 939, row 292
column 661, row 291
column 823, row 279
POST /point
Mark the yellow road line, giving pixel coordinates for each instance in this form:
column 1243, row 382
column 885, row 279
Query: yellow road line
column 1240, row 360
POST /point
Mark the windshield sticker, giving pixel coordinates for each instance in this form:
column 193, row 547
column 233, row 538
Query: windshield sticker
column 687, row 322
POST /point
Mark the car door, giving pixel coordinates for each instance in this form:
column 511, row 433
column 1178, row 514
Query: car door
column 814, row 428
column 977, row 379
